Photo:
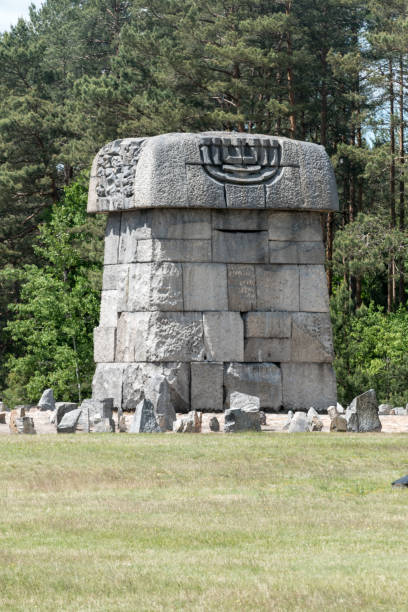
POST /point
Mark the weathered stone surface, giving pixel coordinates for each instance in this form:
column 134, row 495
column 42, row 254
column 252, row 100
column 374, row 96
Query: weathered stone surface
column 241, row 287
column 332, row 412
column 308, row 384
column 159, row 391
column 295, row 226
column 240, row 220
column 243, row 401
column 24, row 425
column 267, row 325
column 207, row 386
column 362, row 415
column 181, row 224
column 312, row 337
column 243, row 196
column 131, row 336
column 223, row 336
column 299, row 423
column 285, row 252
column 107, row 382
column 240, row 246
column 170, row 171
column 93, row 412
column 277, row 287
column 339, row 408
column 267, row 349
column 399, row 411
column 191, row 423
column 338, row 423
column 112, row 236
column 315, row 423
column 109, row 309
column 288, row 421
column 314, row 296
column 47, row 401
column 69, row 421
column 182, row 251
column 151, row 286
column 262, row 380
column 104, row 426
column 144, row 420
column 104, row 344
column 175, row 336
column 122, row 427
column 112, row 275
column 214, row 424
column 62, row 408
column 138, row 377
column 205, row 287
column 241, row 420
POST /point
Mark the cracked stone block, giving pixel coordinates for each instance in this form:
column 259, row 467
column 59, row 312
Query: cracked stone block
column 260, row 379
column 240, row 246
column 151, row 286
column 241, row 287
column 223, row 336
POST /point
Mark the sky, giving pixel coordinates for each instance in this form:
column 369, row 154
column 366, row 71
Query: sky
column 11, row 10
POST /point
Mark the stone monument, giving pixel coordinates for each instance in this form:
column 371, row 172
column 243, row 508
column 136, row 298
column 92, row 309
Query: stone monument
column 214, row 278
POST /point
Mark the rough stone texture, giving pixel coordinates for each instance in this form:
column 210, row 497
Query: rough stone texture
column 312, row 337
column 144, row 420
column 240, row 247
column 299, row 423
column 315, row 423
column 338, row 423
column 24, row 425
column 332, row 411
column 305, row 384
column 214, row 424
column 362, row 415
column 237, row 420
column 277, row 287
column 288, row 421
column 241, row 287
column 104, row 426
column 47, row 401
column 268, row 325
column 205, row 287
column 262, row 380
column 61, row 408
column 104, row 344
column 191, row 423
column 213, row 260
column 207, row 387
column 314, row 296
column 223, row 336
column 69, row 421
column 243, row 401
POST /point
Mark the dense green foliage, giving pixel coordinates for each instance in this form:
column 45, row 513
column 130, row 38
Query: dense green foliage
column 79, row 73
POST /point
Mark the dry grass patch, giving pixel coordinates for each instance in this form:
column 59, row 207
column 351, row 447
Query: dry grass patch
column 239, row 522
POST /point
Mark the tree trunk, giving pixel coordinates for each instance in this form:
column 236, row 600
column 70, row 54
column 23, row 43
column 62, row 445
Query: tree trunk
column 391, row 279
column 401, row 288
column 291, row 91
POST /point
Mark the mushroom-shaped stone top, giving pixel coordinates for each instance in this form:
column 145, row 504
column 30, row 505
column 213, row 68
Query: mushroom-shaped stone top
column 212, row 170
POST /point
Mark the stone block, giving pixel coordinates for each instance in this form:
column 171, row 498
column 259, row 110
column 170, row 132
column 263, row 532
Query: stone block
column 207, row 386
column 131, row 336
column 62, row 408
column 109, row 309
column 107, row 382
column 144, row 420
column 151, row 286
column 319, row 187
column 308, row 384
column 69, row 421
column 299, row 423
column 24, row 425
column 181, row 224
column 214, row 424
column 174, row 336
column 139, row 380
column 267, row 349
column 285, row 252
column 223, row 336
column 285, row 190
column 245, row 196
column 243, row 401
column 136, row 225
column 202, row 190
column 241, row 287
column 104, row 344
column 240, row 246
column 241, row 420
column 277, row 287
column 189, row 424
column 314, row 295
column 240, row 220
column 362, row 415
column 267, row 325
column 205, row 287
column 295, row 226
column 174, row 250
column 112, row 276
column 312, row 337
column 47, row 401
column 260, row 379
column 112, row 235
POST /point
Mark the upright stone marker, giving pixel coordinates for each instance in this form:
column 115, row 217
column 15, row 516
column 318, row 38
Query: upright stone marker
column 214, row 255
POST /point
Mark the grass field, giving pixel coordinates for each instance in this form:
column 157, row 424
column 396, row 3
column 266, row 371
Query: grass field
column 210, row 522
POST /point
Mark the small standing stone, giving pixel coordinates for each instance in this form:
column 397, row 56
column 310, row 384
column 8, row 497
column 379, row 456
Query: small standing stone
column 191, row 423
column 332, row 412
column 47, row 401
column 362, row 414
column 69, row 421
column 122, row 427
column 339, row 423
column 288, row 421
column 214, row 424
column 385, row 409
column 2, row 418
column 262, row 417
column 144, row 420
column 241, row 420
column 24, row 425
column 299, row 423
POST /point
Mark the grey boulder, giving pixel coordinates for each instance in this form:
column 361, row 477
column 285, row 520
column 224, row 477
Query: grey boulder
column 299, row 423
column 144, row 419
column 214, row 424
column 25, row 425
column 362, row 414
column 385, row 409
column 315, row 422
column 47, row 401
column 339, row 423
column 69, row 421
column 237, row 420
column 191, row 423
column 288, row 420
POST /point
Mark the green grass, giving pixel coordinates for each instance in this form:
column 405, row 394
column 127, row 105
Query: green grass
column 189, row 522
